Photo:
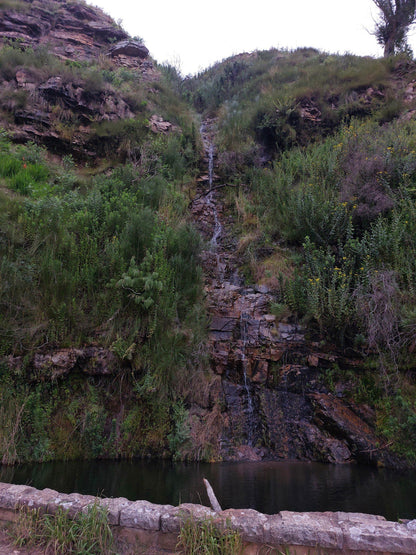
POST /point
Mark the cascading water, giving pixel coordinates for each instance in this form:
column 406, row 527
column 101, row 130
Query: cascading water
column 211, row 203
column 217, row 224
column 244, row 318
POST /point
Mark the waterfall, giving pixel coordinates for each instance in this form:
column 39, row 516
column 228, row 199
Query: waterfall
column 217, row 224
column 211, row 201
column 210, row 165
column 244, row 318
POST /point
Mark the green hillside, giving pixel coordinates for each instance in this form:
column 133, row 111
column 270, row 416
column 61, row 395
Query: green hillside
column 323, row 150
column 103, row 315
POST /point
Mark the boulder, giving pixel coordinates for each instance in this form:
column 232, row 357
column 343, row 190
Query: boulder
column 158, row 125
column 131, row 48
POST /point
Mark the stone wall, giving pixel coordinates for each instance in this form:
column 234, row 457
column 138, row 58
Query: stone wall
column 296, row 533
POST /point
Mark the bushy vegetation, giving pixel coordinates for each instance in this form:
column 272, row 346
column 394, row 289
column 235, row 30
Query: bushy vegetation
column 106, row 255
column 326, row 214
column 282, row 99
column 346, row 205
column 100, row 255
column 110, row 260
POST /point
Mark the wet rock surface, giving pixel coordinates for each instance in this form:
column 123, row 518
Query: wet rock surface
column 274, row 402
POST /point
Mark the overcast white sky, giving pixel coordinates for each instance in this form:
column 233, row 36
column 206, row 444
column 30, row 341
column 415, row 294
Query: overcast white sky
column 193, row 35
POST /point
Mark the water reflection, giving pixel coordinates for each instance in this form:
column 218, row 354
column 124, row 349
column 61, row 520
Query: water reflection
column 268, row 487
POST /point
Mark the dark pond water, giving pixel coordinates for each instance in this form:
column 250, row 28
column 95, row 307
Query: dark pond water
column 268, row 487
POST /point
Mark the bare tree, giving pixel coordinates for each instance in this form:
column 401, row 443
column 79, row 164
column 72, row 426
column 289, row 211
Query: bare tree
column 395, row 20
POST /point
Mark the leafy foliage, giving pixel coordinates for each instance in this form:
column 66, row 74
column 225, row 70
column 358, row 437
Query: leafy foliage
column 113, row 253
column 395, row 19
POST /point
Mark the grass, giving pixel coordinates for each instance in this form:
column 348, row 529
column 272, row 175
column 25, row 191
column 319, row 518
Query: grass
column 13, row 5
column 206, row 537
column 58, row 533
column 266, row 98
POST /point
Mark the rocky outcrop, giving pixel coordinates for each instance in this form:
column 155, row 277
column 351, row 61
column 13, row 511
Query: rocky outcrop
column 91, row 360
column 159, row 525
column 87, row 104
column 158, row 125
column 61, row 108
column 71, row 30
column 130, row 48
column 275, row 402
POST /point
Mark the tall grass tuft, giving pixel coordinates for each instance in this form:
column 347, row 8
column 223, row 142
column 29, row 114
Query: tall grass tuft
column 207, row 537
column 58, row 534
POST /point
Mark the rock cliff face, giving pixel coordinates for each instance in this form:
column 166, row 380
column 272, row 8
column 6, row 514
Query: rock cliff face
column 270, row 386
column 57, row 104
column 71, row 30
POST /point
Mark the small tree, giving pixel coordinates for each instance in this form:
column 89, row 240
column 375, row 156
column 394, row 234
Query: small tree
column 395, row 19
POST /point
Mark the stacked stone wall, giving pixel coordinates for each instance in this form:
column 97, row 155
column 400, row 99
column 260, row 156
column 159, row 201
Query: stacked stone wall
column 158, row 525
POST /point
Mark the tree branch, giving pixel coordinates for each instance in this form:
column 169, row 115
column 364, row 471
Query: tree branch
column 212, row 499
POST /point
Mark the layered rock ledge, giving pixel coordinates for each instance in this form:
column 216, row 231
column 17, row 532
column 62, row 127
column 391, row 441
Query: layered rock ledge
column 159, row 525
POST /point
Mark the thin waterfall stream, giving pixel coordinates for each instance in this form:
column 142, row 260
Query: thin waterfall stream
column 230, row 302
column 244, row 318
column 217, row 224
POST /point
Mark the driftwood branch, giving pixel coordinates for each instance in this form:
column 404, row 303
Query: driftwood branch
column 212, row 499
column 211, row 190
column 385, row 446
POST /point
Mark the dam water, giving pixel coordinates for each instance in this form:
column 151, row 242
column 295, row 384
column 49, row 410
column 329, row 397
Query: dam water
column 268, row 487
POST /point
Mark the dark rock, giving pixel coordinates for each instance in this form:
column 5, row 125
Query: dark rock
column 259, row 371
column 320, row 446
column 334, row 416
column 32, row 118
column 21, row 23
column 221, row 324
column 283, row 418
column 97, row 361
column 81, row 11
column 71, row 94
column 298, row 379
column 129, row 48
column 106, row 32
